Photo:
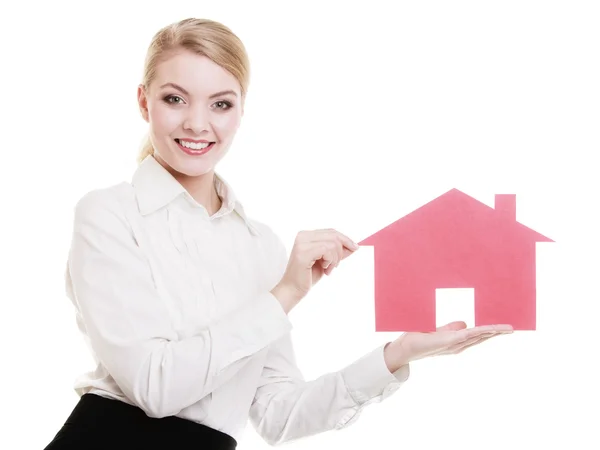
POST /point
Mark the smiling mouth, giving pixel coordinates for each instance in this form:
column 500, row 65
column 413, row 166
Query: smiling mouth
column 194, row 145
column 195, row 149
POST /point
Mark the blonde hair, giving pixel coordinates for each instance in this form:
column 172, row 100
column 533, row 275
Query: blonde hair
column 203, row 37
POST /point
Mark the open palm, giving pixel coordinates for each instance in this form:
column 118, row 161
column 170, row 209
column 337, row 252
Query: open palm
column 451, row 338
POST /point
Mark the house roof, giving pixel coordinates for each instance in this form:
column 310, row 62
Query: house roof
column 458, row 210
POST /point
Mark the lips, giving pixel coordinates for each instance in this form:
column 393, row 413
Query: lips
column 195, row 152
column 202, row 141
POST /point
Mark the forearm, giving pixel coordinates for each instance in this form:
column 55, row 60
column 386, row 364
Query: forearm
column 289, row 408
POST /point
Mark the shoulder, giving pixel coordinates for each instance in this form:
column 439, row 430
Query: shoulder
column 107, row 204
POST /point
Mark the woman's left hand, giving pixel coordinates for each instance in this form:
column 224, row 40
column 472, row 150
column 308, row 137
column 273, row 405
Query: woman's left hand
column 452, row 338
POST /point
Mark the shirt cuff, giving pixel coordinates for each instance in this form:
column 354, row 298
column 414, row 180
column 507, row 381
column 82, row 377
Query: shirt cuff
column 369, row 379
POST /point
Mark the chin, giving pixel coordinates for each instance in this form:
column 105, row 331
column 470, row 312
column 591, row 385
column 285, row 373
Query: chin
column 193, row 169
column 196, row 172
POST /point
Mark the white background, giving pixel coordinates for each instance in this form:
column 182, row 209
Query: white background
column 357, row 114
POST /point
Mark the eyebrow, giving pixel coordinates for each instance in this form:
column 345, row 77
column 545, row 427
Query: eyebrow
column 218, row 94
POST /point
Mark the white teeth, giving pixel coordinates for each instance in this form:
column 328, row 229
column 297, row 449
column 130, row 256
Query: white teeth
column 193, row 145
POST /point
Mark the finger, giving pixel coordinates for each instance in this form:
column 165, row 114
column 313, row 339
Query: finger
column 309, row 253
column 484, row 329
column 329, row 257
column 492, row 328
column 335, row 244
column 474, row 341
column 452, row 349
column 339, row 248
column 471, row 341
column 349, row 245
column 453, row 326
column 306, row 236
column 477, row 342
column 329, row 269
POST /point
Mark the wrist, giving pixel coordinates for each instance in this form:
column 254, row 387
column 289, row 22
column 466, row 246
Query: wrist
column 393, row 356
column 286, row 300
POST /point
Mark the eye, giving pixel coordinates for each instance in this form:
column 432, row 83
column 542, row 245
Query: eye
column 168, row 99
column 223, row 105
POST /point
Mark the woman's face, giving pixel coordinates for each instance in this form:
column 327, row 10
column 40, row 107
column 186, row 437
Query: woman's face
column 194, row 108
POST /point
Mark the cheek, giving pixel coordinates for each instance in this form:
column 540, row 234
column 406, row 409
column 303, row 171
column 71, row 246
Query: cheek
column 163, row 120
column 226, row 124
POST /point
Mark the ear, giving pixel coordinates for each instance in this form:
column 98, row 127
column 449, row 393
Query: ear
column 143, row 102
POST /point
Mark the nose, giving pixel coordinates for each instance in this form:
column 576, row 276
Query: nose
column 197, row 120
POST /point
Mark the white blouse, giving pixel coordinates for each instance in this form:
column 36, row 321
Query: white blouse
column 176, row 308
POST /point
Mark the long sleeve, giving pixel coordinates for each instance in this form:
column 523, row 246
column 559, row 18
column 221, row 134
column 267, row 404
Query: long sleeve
column 128, row 323
column 286, row 407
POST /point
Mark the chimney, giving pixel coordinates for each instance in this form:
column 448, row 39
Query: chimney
column 506, row 205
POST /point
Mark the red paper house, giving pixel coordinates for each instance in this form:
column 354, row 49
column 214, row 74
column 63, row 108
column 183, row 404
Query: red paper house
column 455, row 241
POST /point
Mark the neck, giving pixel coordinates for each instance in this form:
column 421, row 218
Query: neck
column 202, row 189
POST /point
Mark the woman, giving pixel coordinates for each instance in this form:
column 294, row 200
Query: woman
column 184, row 299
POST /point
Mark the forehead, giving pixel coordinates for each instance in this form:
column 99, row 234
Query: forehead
column 195, row 73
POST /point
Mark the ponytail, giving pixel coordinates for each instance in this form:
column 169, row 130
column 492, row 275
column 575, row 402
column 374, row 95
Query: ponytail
column 147, row 149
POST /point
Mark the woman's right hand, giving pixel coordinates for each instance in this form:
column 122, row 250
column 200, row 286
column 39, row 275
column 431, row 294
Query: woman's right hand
column 314, row 254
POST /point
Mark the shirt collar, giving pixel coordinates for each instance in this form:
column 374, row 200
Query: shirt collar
column 155, row 187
